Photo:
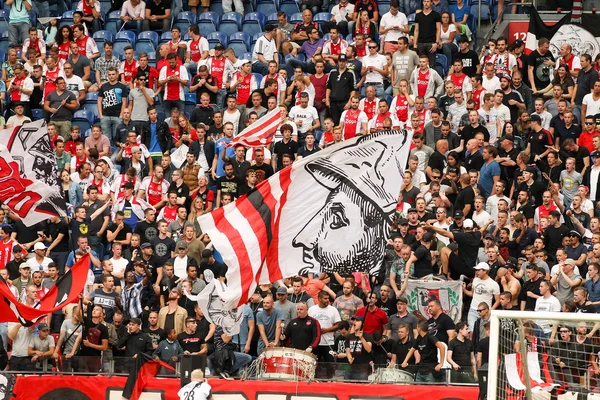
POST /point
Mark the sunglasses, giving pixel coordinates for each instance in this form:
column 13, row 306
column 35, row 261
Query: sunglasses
column 589, row 123
column 372, row 47
column 436, row 177
column 482, row 310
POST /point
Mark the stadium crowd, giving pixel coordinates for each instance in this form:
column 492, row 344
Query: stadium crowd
column 501, row 189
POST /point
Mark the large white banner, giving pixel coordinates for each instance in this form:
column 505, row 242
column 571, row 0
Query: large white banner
column 329, row 212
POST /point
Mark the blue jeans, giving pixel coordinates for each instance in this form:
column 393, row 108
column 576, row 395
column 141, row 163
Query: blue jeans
column 241, row 360
column 137, row 25
column 379, row 90
column 425, row 377
column 192, row 68
column 169, row 104
column 293, row 63
column 260, row 68
column 43, row 8
column 221, row 96
column 577, row 113
column 109, row 127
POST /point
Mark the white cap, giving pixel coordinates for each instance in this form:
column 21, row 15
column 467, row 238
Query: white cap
column 39, row 246
column 468, row 223
column 483, row 265
column 244, row 61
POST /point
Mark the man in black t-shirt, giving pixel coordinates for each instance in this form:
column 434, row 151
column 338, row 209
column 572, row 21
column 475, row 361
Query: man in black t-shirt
column 540, row 66
column 421, row 257
column 156, row 333
column 428, row 368
column 164, row 246
column 60, row 251
column 228, row 183
column 119, row 231
column 285, row 146
column 469, row 58
column 148, row 228
column 461, row 357
column 440, row 324
column 401, row 348
column 190, row 340
column 168, row 282
column 428, row 25
column 359, row 346
column 95, row 340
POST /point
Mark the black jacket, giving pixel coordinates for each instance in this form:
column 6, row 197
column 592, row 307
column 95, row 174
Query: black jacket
column 209, row 150
column 163, row 135
column 136, row 343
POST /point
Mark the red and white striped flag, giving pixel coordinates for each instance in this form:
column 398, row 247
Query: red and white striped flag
column 261, row 132
column 515, row 373
column 329, row 211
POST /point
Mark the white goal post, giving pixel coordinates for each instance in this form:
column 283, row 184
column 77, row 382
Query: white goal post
column 497, row 380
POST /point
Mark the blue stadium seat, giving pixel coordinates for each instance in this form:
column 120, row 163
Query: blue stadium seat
column 258, row 77
column 295, row 18
column 266, row 6
column 37, row 114
column 4, row 42
column 3, row 21
column 272, row 19
column 442, row 60
column 146, row 42
column 83, row 119
column 91, row 98
column 216, row 37
column 113, row 22
column 254, row 23
column 384, row 7
column 323, row 19
column 206, row 27
column 119, row 48
column 190, row 102
column 93, row 109
column 240, row 37
column 3, row 56
column 289, row 7
column 126, row 35
column 164, row 38
column 67, row 18
column 105, row 6
column 152, row 59
column 231, row 22
column 210, row 16
column 411, row 18
column 184, row 19
column 485, row 12
column 245, row 56
column 102, row 36
column 255, row 38
column 326, row 37
column 87, row 134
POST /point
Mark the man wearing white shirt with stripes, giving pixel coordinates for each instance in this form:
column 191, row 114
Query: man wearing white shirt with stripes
column 265, row 50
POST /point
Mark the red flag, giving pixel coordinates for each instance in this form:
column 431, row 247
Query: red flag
column 330, row 211
column 144, row 369
column 261, row 132
column 65, row 291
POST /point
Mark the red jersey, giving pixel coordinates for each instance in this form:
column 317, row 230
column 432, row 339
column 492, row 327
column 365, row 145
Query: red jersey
column 401, row 108
column 99, row 185
column 164, row 63
column 327, row 138
column 370, row 107
column 379, row 120
column 6, row 253
column 169, row 213
column 217, row 69
column 78, row 162
column 128, row 69
column 50, row 86
column 351, row 123
column 156, row 190
column 243, row 88
column 361, row 51
column 422, row 82
column 174, row 89
column 64, row 50
column 195, row 52
column 82, row 43
column 151, row 76
column 124, row 180
column 422, row 116
column 458, row 80
column 15, row 95
column 477, row 94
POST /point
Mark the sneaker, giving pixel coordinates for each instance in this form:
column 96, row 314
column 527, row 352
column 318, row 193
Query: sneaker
column 225, row 375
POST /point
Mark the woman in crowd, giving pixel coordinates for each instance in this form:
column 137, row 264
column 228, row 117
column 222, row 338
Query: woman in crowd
column 562, row 77
column 71, row 190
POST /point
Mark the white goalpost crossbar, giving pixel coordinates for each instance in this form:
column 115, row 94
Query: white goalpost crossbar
column 496, row 315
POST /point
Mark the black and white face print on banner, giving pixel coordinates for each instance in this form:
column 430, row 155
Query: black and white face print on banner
column 7, row 381
column 350, row 230
column 581, row 40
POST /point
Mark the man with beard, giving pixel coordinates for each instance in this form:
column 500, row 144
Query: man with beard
column 263, row 170
column 171, row 315
column 359, row 346
column 156, row 333
column 376, row 319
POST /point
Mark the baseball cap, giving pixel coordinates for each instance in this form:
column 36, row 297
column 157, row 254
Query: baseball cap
column 245, row 62
column 39, row 246
column 536, row 118
column 145, row 245
column 428, row 237
column 128, row 185
column 507, row 77
column 458, row 214
column 342, row 57
column 219, row 46
column 570, row 261
column 135, row 321
column 281, row 290
column 509, row 265
column 483, row 265
column 182, row 245
column 17, row 249
column 402, row 299
column 468, row 224
column 508, row 137
column 411, row 210
column 575, row 233
column 24, row 265
column 489, row 236
column 531, row 170
column 518, row 43
column 402, row 221
column 595, row 153
column 541, row 270
column 43, row 327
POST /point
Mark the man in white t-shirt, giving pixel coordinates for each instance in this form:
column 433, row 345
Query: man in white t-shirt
column 541, row 111
column 546, row 303
column 265, row 50
column 484, row 290
column 118, row 262
column 590, row 105
column 374, row 68
column 305, row 117
column 490, row 81
column 393, row 25
column 328, row 317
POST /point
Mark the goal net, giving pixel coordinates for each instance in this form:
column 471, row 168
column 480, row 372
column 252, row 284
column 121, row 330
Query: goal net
column 541, row 355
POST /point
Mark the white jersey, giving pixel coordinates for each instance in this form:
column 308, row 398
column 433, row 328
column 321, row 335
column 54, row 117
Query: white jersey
column 195, row 391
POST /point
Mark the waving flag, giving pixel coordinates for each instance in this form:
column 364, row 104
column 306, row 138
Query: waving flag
column 515, row 373
column 28, row 173
column 538, row 29
column 261, row 132
column 145, row 368
column 65, row 291
column 330, row 210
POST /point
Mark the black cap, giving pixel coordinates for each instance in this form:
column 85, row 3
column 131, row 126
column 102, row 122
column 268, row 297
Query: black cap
column 402, row 221
column 135, row 321
column 508, row 137
column 541, row 270
column 145, row 245
column 575, row 234
column 530, row 169
column 207, row 253
column 411, row 210
column 489, row 236
column 402, row 299
column 17, row 249
column 219, row 46
column 518, row 43
column 510, row 266
column 452, row 169
column 458, row 214
column 342, row 57
column 595, row 153
column 536, row 118
column 428, row 237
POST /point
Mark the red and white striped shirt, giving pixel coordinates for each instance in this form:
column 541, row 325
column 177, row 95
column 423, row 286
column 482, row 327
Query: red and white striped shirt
column 87, row 46
column 197, row 48
column 369, row 107
column 51, row 86
column 245, row 87
column 25, row 83
column 39, row 46
column 174, row 89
